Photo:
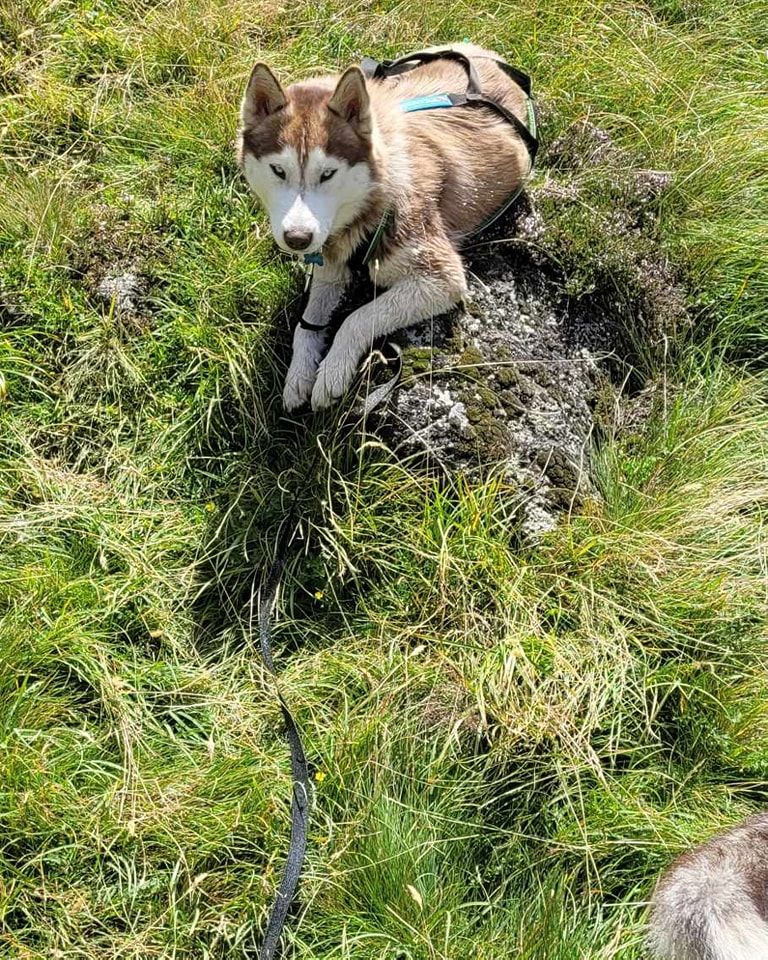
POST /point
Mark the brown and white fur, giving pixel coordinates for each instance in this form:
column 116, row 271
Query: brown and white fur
column 329, row 155
column 712, row 903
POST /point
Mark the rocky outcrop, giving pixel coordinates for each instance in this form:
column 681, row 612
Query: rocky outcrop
column 502, row 386
column 522, row 381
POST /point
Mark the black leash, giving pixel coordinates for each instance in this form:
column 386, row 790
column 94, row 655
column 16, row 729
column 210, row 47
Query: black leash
column 301, row 801
column 302, row 789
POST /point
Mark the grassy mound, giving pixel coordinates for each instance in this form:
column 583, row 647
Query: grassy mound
column 508, row 742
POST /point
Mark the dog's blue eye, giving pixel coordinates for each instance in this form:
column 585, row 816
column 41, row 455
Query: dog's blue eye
column 278, row 171
column 326, row 175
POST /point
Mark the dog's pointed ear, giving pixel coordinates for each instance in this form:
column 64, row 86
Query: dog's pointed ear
column 351, row 102
column 263, row 96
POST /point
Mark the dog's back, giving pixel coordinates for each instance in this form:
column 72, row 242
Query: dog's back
column 712, row 903
column 470, row 159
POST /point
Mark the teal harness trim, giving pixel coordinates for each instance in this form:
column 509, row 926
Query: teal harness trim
column 531, row 124
column 433, row 101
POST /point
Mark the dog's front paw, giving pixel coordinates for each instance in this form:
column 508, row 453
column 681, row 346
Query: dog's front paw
column 334, row 376
column 297, row 389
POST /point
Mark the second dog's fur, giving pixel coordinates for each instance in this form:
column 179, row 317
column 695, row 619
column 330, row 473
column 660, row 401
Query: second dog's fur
column 712, row 903
column 328, row 156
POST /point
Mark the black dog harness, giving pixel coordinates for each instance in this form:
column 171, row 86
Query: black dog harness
column 473, row 96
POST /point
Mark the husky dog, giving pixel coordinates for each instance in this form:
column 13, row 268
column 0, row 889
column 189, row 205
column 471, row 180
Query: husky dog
column 331, row 156
column 712, row 903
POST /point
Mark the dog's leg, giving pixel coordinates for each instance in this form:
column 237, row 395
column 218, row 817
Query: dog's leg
column 328, row 284
column 407, row 301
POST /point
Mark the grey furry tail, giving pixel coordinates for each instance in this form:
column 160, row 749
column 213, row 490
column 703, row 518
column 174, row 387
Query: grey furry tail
column 710, row 905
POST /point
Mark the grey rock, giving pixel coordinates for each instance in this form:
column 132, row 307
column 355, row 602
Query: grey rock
column 502, row 386
column 125, row 288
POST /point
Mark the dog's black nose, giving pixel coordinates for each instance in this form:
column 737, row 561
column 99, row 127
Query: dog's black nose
column 297, row 239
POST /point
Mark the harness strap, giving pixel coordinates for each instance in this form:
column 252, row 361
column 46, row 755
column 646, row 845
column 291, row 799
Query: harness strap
column 311, row 260
column 521, row 79
column 305, row 325
column 439, row 101
column 479, row 99
column 390, row 68
column 430, row 101
column 473, row 95
column 373, row 246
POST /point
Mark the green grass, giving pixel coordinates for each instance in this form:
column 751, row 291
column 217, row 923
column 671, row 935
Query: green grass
column 509, row 742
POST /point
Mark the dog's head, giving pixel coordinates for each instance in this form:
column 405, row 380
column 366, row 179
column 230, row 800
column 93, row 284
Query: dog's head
column 306, row 153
